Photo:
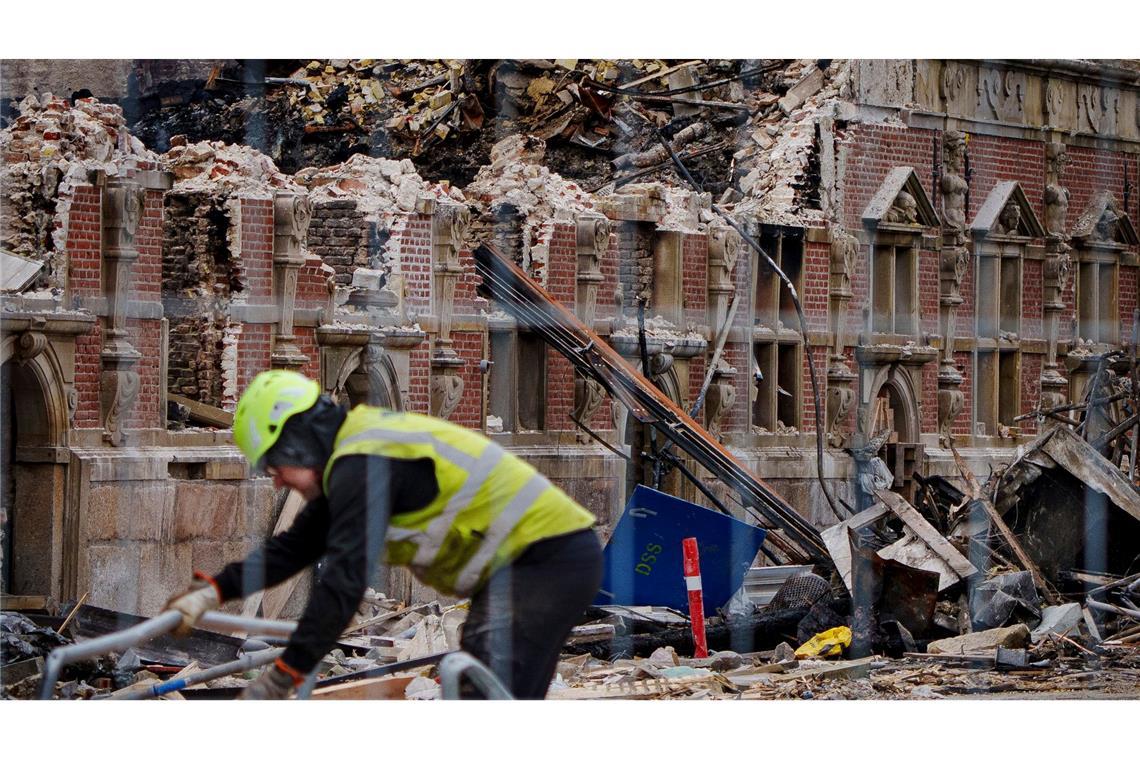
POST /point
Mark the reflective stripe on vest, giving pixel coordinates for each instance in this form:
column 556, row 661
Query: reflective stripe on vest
column 523, row 500
column 429, row 540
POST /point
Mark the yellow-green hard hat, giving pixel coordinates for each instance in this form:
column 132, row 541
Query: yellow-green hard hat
column 271, row 399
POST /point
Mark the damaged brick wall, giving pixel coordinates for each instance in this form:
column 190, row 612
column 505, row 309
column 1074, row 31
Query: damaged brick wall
column 146, row 334
column 84, row 262
column 415, row 262
column 248, row 353
column 470, row 411
column 635, row 264
column 200, row 277
column 562, row 283
column 339, row 234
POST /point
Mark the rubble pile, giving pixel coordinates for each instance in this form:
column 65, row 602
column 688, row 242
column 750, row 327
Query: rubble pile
column 598, row 117
column 23, row 647
column 48, row 148
column 221, row 166
column 382, row 188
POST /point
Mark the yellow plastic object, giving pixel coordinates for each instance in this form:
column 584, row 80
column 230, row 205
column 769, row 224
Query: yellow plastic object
column 830, row 643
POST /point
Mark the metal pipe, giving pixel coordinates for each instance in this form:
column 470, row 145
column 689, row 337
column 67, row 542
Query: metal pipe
column 456, row 664
column 1111, row 608
column 145, row 631
column 223, row 622
column 245, row 662
column 136, row 634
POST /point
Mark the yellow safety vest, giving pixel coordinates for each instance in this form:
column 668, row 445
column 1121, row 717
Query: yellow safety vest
column 491, row 505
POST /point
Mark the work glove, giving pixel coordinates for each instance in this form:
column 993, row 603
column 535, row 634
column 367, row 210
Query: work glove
column 199, row 599
column 276, row 682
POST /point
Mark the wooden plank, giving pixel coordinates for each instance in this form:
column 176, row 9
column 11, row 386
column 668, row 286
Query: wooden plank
column 1089, row 467
column 924, row 530
column 199, row 412
column 276, row 598
column 16, row 602
column 386, row 687
column 842, row 669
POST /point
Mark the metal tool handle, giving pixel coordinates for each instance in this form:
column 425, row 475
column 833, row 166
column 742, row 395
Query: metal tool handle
column 145, row 631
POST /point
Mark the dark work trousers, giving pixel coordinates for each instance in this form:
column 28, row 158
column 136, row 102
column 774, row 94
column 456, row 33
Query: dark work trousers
column 521, row 618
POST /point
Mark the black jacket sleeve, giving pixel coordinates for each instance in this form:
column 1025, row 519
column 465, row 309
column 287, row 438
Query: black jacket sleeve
column 281, row 556
column 359, row 504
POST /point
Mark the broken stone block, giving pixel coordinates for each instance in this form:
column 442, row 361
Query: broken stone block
column 1012, row 637
column 1060, row 620
column 369, row 279
column 803, row 90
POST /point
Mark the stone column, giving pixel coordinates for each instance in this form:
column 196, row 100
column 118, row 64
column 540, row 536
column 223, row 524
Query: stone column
column 1057, row 266
column 593, row 239
column 955, row 259
column 724, row 251
column 720, row 398
column 119, row 384
column 291, row 216
column 840, row 377
column 449, row 223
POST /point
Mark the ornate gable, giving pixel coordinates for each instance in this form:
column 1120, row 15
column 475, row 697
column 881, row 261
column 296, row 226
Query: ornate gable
column 901, row 203
column 1104, row 223
column 1007, row 213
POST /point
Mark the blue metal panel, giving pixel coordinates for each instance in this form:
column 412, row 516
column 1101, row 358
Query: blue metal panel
column 643, row 557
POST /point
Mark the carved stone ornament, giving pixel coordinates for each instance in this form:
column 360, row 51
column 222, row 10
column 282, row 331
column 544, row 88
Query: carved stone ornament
column 724, row 247
column 1057, row 269
column 1105, row 228
column 953, row 183
column 120, row 390
column 718, row 400
column 1002, row 95
column 1009, row 219
column 904, row 210
column 122, row 212
column 446, row 393
column 588, row 398
column 1097, row 108
column 592, row 237
column 1056, row 196
column 839, row 402
column 844, row 258
column 292, row 213
column 952, row 84
column 950, row 404
column 1054, row 102
column 30, row 345
column 961, row 263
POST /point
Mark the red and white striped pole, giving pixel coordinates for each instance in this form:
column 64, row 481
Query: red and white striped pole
column 692, row 564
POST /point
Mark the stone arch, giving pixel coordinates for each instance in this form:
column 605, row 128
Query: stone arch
column 896, row 381
column 47, row 400
column 36, row 409
column 368, row 376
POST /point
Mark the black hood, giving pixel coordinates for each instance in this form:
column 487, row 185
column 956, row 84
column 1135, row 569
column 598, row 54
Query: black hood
column 307, row 438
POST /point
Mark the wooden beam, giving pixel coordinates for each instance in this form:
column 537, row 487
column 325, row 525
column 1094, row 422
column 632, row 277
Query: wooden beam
column 1019, row 552
column 17, row 602
column 386, row 687
column 199, row 412
column 924, row 530
column 1084, row 463
column 273, row 600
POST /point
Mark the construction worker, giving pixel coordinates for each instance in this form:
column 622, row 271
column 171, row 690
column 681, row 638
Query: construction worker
column 465, row 516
